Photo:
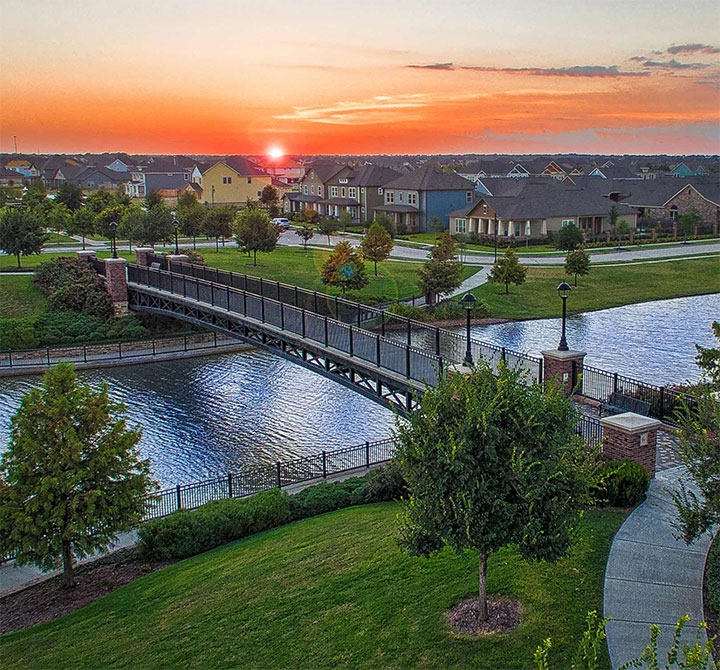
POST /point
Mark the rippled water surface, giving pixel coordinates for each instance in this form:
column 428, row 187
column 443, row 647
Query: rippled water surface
column 213, row 414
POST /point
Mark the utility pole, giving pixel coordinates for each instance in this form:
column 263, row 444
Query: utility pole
column 15, row 142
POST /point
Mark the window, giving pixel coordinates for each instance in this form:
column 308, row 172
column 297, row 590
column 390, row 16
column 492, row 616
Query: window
column 460, row 225
column 412, row 198
column 320, row 191
column 390, row 196
column 484, row 209
column 305, row 189
column 334, row 191
column 342, row 191
column 312, row 190
column 380, row 191
column 401, row 195
column 567, row 222
column 187, row 176
column 468, row 196
column 352, row 192
column 259, row 194
column 249, row 180
column 227, row 180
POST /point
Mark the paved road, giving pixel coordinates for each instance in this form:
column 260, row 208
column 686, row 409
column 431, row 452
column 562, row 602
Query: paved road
column 289, row 238
column 652, row 577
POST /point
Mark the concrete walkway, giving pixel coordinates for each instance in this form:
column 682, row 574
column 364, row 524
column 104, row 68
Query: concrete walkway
column 652, row 577
column 473, row 281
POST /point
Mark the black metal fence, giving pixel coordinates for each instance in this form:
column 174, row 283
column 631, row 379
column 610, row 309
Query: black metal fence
column 590, row 429
column 47, row 356
column 98, row 264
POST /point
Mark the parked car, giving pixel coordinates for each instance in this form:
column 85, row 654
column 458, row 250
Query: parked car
column 282, row 222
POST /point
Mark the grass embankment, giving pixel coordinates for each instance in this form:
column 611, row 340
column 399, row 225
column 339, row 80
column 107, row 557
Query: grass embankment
column 32, row 261
column 19, row 297
column 604, row 287
column 332, row 591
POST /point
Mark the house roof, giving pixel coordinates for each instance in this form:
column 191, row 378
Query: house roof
column 302, row 197
column 428, row 178
column 343, row 202
column 373, row 175
column 326, row 171
column 397, row 208
column 240, row 164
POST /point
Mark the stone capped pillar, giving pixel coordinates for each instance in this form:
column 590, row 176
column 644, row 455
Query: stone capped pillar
column 86, row 256
column 142, row 256
column 116, row 282
column 715, row 228
column 176, row 258
column 653, row 234
column 631, row 437
column 563, row 367
column 607, row 236
column 632, row 236
column 459, row 369
column 674, row 230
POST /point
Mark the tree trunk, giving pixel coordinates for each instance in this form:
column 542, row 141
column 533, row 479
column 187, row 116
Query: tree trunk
column 507, row 288
column 83, row 241
column 194, row 242
column 482, row 590
column 217, row 244
column 18, row 257
column 376, row 268
column 254, row 256
column 68, row 576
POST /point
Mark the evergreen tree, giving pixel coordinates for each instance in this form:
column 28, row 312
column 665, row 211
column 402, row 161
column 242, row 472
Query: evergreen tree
column 70, row 195
column 491, row 461
column 613, row 217
column 152, row 199
column 71, row 478
column 568, row 238
column 254, row 232
column 376, row 245
column 345, row 268
column 20, row 232
column 269, row 195
column 442, row 272
column 508, row 270
column 577, row 263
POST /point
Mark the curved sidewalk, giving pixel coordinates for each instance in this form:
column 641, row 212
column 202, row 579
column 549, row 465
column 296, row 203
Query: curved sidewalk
column 651, row 577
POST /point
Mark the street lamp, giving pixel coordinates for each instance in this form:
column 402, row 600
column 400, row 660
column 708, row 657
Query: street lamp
column 496, row 226
column 113, row 232
column 468, row 301
column 176, row 224
column 563, row 291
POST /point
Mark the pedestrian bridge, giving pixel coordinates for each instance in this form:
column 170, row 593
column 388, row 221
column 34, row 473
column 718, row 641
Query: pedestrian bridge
column 383, row 356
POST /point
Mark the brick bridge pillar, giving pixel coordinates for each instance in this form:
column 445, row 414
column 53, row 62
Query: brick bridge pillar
column 176, row 258
column 142, row 256
column 564, row 368
column 116, row 283
column 631, row 437
column 86, row 255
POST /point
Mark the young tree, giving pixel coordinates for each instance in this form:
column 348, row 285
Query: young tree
column 20, row 232
column 36, row 196
column 99, row 200
column 122, row 198
column 327, row 226
column 71, row 477
column 269, row 195
column 491, row 461
column 436, row 225
column 309, row 215
column 82, row 223
column 218, row 222
column 687, row 223
column 345, row 268
column 613, row 217
column 152, row 199
column 708, row 360
column 254, row 232
column 70, row 195
column 305, row 233
column 577, row 263
column 158, row 225
column 568, row 238
column 622, row 229
column 115, row 213
column 508, row 270
column 442, row 273
column 345, row 220
column 58, row 218
column 376, row 245
column 192, row 219
column 133, row 224
column 386, row 222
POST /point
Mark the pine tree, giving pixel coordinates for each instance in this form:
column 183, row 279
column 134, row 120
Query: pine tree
column 345, row 268
column 577, row 263
column 442, row 272
column 508, row 270
column 376, row 245
column 71, row 478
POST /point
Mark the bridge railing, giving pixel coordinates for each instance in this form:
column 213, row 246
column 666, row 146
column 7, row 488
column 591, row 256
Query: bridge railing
column 371, row 347
column 440, row 341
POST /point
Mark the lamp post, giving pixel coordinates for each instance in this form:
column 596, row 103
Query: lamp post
column 563, row 291
column 468, row 301
column 113, row 232
column 176, row 224
column 496, row 226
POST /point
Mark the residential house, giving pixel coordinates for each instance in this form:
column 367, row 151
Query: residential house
column 97, row 178
column 313, row 188
column 686, row 169
column 283, row 168
column 232, row 181
column 26, row 167
column 536, row 207
column 10, row 177
column 369, row 182
column 58, row 169
column 414, row 199
column 162, row 174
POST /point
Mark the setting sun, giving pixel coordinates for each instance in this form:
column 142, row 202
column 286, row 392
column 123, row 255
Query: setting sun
column 275, row 152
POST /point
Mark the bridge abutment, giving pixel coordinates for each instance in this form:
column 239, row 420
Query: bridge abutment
column 116, row 283
column 142, row 256
column 563, row 368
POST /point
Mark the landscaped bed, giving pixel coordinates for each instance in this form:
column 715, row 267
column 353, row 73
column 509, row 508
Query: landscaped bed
column 331, row 591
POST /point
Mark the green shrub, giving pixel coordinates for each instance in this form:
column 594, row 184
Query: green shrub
column 321, row 498
column 17, row 334
column 71, row 284
column 186, row 533
column 712, row 578
column 449, row 310
column 382, row 484
column 620, row 483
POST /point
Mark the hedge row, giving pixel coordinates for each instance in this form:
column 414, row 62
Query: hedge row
column 620, row 484
column 189, row 532
column 450, row 310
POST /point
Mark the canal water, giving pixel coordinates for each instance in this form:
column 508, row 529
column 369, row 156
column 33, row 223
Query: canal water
column 215, row 414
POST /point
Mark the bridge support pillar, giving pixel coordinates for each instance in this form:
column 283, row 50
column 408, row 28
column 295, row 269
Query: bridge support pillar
column 86, row 256
column 116, row 282
column 142, row 256
column 177, row 258
column 563, row 368
column 631, row 437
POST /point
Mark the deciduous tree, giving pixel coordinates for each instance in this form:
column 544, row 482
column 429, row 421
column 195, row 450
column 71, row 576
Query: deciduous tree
column 577, row 263
column 218, row 222
column 568, row 238
column 345, row 220
column 192, row 219
column 345, row 268
column 71, row 477
column 327, row 226
column 82, row 223
column 254, row 232
column 70, row 195
column 305, row 232
column 376, row 245
column 442, row 272
column 153, row 198
column 133, row 224
column 58, row 218
column 491, row 461
column 21, row 233
column 158, row 225
column 508, row 270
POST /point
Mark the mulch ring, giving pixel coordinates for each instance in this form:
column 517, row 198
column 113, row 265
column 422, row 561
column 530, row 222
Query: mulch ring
column 49, row 599
column 504, row 615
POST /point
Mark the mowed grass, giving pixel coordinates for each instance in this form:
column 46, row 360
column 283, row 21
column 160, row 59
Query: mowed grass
column 32, row 261
column 603, row 287
column 330, row 592
column 19, row 297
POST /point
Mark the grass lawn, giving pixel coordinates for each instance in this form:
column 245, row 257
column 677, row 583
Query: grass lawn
column 603, row 287
column 19, row 297
column 332, row 591
column 34, row 260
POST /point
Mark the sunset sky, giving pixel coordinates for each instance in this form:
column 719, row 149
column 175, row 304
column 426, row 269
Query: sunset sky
column 314, row 76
